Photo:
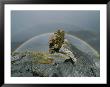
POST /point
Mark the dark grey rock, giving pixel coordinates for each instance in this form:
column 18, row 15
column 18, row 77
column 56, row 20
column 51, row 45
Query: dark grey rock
column 85, row 66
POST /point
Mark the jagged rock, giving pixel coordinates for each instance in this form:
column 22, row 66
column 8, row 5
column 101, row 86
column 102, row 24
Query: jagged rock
column 65, row 49
column 61, row 67
column 63, row 60
column 56, row 40
column 57, row 43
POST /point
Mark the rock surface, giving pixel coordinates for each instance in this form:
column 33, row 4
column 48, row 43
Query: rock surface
column 56, row 40
column 62, row 60
column 62, row 66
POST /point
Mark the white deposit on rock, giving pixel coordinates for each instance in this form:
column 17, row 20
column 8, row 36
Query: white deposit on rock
column 65, row 49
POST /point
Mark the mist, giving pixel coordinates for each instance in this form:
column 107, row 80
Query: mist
column 26, row 24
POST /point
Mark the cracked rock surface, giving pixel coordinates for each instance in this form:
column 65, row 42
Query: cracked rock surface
column 62, row 60
column 24, row 65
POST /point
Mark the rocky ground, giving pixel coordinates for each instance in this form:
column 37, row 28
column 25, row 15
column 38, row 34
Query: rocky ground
column 29, row 64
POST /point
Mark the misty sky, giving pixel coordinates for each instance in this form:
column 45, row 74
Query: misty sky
column 26, row 24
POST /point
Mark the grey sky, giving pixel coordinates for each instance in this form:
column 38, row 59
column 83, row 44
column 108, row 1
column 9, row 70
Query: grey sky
column 26, row 24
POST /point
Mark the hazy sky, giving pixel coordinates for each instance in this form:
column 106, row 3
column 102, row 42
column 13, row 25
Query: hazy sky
column 26, row 24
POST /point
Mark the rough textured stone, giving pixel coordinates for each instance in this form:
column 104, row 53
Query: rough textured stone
column 86, row 66
column 67, row 61
column 56, row 40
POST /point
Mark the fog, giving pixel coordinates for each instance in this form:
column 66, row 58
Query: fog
column 26, row 24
